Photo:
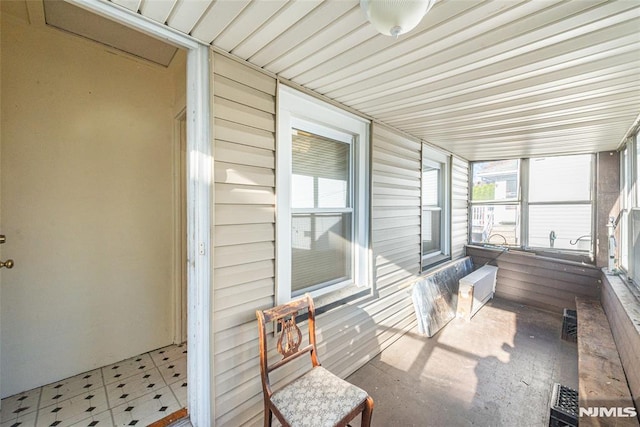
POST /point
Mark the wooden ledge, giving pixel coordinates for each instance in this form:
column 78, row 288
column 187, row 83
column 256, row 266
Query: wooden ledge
column 602, row 382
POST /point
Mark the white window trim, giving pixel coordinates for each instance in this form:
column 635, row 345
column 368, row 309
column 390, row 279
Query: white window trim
column 199, row 170
column 522, row 201
column 432, row 156
column 297, row 108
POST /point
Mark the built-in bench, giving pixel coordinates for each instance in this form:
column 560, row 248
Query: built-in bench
column 602, row 381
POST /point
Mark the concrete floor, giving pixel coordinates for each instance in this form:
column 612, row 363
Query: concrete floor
column 497, row 370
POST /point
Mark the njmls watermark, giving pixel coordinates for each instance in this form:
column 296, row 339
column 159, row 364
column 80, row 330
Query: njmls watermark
column 614, row 411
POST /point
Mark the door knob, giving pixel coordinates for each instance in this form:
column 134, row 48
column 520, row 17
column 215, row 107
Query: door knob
column 8, row 263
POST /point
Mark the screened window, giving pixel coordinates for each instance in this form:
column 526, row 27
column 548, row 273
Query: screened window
column 495, row 202
column 542, row 203
column 435, row 207
column 322, row 187
column 560, row 202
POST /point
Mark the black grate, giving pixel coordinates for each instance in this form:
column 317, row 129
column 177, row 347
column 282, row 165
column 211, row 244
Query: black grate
column 570, row 325
column 564, row 407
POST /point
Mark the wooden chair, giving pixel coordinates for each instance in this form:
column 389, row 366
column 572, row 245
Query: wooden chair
column 318, row 398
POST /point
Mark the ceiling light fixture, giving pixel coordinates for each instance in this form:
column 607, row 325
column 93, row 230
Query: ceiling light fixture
column 395, row 17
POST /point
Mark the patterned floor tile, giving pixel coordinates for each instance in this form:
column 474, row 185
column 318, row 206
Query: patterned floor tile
column 74, row 410
column 20, row 420
column 168, row 354
column 134, row 387
column 127, row 368
column 180, row 392
column 19, row 405
column 70, row 387
column 174, row 371
column 103, row 419
column 147, row 409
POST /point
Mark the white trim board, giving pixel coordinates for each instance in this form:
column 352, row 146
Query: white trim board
column 199, row 202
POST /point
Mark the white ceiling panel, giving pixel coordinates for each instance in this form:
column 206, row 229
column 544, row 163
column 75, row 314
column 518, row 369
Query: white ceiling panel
column 157, row 10
column 219, row 16
column 186, row 13
column 483, row 79
column 251, row 17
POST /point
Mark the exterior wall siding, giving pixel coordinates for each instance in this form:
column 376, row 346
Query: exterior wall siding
column 244, row 258
column 539, row 281
column 459, row 207
column 244, row 238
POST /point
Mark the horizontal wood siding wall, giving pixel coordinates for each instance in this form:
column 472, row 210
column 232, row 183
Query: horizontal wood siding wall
column 354, row 333
column 395, row 206
column 538, row 281
column 459, row 207
column 244, row 260
column 615, row 297
column 244, row 239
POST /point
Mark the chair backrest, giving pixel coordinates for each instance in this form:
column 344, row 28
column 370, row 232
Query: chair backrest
column 289, row 343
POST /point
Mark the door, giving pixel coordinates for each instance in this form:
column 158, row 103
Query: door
column 87, row 207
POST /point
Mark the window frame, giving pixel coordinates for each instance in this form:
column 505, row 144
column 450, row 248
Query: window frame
column 302, row 111
column 592, row 191
column 524, row 204
column 442, row 161
column 629, row 205
column 519, row 201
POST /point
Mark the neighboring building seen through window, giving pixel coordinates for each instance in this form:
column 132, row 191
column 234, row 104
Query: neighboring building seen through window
column 540, row 203
column 495, row 201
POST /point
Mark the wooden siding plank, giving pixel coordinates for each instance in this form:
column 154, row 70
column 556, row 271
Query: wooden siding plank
column 245, row 95
column 239, row 113
column 238, row 274
column 400, row 221
column 240, row 73
column 229, row 152
column 244, row 214
column 240, row 234
column 226, row 256
column 233, row 173
column 393, row 233
column 391, row 180
column 400, row 170
column 538, row 281
column 244, row 194
column 238, row 133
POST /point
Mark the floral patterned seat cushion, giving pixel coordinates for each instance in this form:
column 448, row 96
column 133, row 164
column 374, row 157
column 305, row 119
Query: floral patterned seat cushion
column 317, row 399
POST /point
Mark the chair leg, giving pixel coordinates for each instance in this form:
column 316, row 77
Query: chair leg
column 366, row 414
column 268, row 417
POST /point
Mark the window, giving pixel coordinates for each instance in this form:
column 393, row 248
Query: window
column 540, row 203
column 435, row 207
column 629, row 225
column 495, row 202
column 322, row 221
column 560, row 203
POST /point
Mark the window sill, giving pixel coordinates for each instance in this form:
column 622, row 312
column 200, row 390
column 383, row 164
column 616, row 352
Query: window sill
column 628, row 296
column 433, row 261
column 324, row 302
column 555, row 254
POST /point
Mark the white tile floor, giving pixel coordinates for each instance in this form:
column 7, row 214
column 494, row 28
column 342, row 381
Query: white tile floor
column 133, row 392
